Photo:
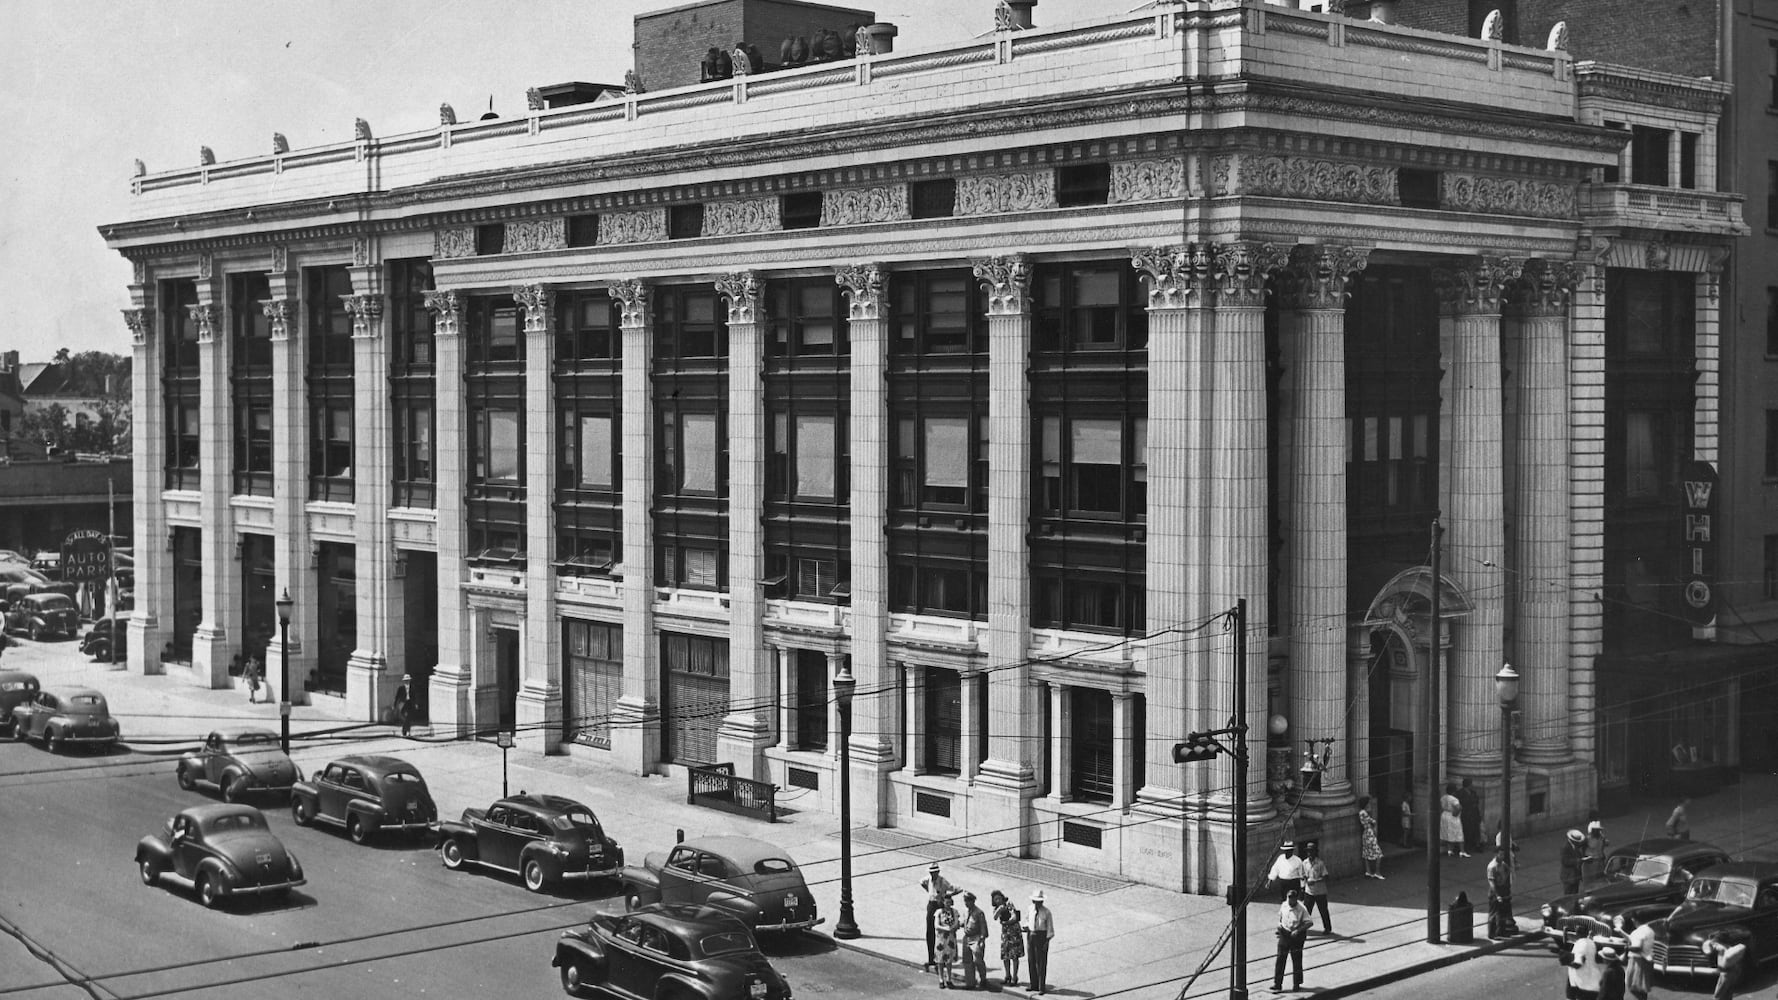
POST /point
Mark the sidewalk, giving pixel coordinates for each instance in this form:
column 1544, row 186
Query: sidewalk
column 1112, row 938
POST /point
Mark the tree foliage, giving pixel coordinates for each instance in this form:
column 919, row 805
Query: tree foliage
column 53, row 429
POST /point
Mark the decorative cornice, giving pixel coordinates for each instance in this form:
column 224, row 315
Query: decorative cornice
column 646, row 226
column 863, row 286
column 1147, row 180
column 1007, row 280
column 741, row 289
column 366, row 312
column 1320, row 276
column 742, row 216
column 529, row 235
column 447, row 308
column 205, row 316
column 1476, row 287
column 632, row 296
column 1241, row 270
column 538, row 301
column 996, row 194
column 279, row 312
column 1508, row 196
column 1177, row 276
column 141, row 324
column 861, row 206
column 452, row 243
column 1545, row 287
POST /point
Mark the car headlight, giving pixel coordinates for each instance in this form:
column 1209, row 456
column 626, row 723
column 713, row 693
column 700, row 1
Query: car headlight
column 1548, row 911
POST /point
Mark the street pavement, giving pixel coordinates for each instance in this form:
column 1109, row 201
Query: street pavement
column 1131, row 941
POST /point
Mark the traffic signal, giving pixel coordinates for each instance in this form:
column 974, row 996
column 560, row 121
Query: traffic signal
column 1197, row 746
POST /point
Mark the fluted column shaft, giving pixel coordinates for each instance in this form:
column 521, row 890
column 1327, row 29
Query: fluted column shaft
column 219, row 587
column 290, row 482
column 152, row 616
column 636, row 733
column 1586, row 494
column 369, row 688
column 450, row 708
column 539, row 705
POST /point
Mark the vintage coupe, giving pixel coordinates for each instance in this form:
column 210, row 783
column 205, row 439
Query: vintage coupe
column 238, row 761
column 365, row 794
column 1737, row 901
column 16, row 688
column 753, row 880
column 106, row 637
column 667, row 951
column 220, row 849
column 65, row 718
column 540, row 838
column 1646, row 875
column 43, row 616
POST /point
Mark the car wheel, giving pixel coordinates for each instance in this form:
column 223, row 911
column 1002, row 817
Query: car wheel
column 534, row 876
column 36, row 633
column 452, row 853
column 233, row 788
column 299, row 811
column 55, row 741
column 357, row 829
column 209, row 893
column 574, row 978
column 151, row 872
column 185, row 779
column 632, row 901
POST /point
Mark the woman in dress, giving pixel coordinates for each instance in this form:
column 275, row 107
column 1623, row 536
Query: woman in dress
column 944, row 925
column 1593, row 864
column 1450, row 823
column 1012, row 936
column 1368, row 846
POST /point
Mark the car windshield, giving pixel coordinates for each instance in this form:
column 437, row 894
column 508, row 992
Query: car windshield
column 237, row 821
column 1718, row 890
column 17, row 686
column 575, row 819
column 1648, row 868
column 55, row 602
column 773, row 866
column 725, row 942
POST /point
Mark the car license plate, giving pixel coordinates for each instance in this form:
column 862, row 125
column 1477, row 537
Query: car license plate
column 790, row 901
column 756, row 990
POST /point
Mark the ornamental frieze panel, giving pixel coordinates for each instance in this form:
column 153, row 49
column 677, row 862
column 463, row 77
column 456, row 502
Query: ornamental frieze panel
column 860, row 206
column 1147, row 180
column 649, row 225
column 1306, row 177
column 741, row 216
column 450, row 244
column 994, row 194
column 1506, row 196
column 529, row 235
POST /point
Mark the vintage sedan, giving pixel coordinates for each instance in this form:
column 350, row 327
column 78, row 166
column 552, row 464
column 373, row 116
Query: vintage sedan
column 365, row 794
column 238, row 760
column 43, row 616
column 1646, row 874
column 66, row 718
column 667, row 950
column 754, row 880
column 221, row 850
column 106, row 636
column 1737, row 901
column 16, row 688
column 540, row 838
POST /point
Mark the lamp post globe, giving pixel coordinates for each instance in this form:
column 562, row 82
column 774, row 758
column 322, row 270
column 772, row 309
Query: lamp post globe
column 844, row 686
column 1506, row 686
column 284, row 604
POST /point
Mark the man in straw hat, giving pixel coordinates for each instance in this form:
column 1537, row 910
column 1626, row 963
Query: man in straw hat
column 1043, row 928
column 1287, row 871
column 938, row 893
column 1573, row 853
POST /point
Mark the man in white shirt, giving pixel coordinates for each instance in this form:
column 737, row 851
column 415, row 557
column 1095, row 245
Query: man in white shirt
column 1287, row 871
column 1293, row 930
column 938, row 893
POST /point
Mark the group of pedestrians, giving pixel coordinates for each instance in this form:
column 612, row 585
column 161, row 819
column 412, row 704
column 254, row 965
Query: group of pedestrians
column 953, row 937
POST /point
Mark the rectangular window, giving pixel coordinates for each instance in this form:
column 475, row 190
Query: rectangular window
column 936, row 312
column 1083, row 184
column 494, row 331
column 1614, row 173
column 698, row 450
column 1417, row 188
column 811, row 700
column 700, row 568
column 411, row 324
column 333, row 441
column 181, row 336
column 1772, row 444
column 185, row 436
column 413, row 442
column 1076, row 600
column 800, row 210
column 583, row 230
column 1771, row 195
column 596, row 466
column 1094, row 745
column 1772, row 320
column 1688, row 160
column 330, row 325
column 935, row 199
column 1088, row 307
column 1648, row 155
column 689, row 323
column 804, row 317
column 490, row 239
column 587, row 329
column 945, row 478
column 1772, row 72
column 593, row 676
column 251, row 326
column 815, row 457
column 1769, row 574
column 254, row 446
column 944, row 721
column 685, row 222
column 500, row 461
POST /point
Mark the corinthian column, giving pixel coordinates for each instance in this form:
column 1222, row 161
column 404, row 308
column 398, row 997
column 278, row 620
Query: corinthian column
column 1541, row 614
column 450, row 703
column 369, row 689
column 539, row 704
column 220, row 585
column 1470, row 295
column 148, row 628
column 1316, row 288
column 636, row 723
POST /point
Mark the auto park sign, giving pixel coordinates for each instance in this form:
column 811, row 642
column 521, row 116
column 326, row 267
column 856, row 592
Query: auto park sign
column 1700, row 543
column 86, row 557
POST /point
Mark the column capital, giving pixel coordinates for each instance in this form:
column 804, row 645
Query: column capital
column 447, row 306
column 538, row 301
column 1176, row 275
column 741, row 288
column 1007, row 280
column 366, row 311
column 1545, row 287
column 1320, row 276
column 278, row 311
column 1476, row 285
column 141, row 324
column 862, row 284
column 1242, row 268
column 204, row 316
column 632, row 297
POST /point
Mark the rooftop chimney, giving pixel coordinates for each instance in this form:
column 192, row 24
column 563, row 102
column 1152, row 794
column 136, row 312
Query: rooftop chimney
column 882, row 37
column 1383, row 11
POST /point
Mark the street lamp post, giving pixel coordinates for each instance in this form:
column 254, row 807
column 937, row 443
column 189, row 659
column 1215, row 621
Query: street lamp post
column 844, row 686
column 1506, row 685
column 284, row 605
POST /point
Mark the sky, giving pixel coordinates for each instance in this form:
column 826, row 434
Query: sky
column 90, row 86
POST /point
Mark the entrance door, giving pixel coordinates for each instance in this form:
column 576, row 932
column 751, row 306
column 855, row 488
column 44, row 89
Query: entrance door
column 506, row 676
column 694, row 697
column 1391, row 751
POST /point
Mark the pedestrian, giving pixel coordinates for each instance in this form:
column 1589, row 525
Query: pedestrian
column 938, row 893
column 1407, row 821
column 1293, row 930
column 251, row 673
column 1593, row 862
column 1043, row 930
column 1679, row 825
column 1501, row 922
column 1470, row 803
column 404, row 703
column 1450, row 823
column 1611, row 973
column 944, row 934
column 975, row 945
column 1315, row 883
column 1368, row 844
column 1639, row 969
column 1287, row 871
column 1012, row 936
column 1583, row 970
column 1572, row 852
column 1730, row 957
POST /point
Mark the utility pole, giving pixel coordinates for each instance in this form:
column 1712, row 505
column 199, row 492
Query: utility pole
column 1433, row 738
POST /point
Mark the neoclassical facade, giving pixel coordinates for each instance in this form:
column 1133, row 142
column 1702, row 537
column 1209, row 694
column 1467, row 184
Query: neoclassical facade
column 999, row 373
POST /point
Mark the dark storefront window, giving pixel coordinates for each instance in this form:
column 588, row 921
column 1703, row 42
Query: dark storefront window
column 411, row 382
column 690, row 383
column 592, row 681
column 694, row 696
column 329, row 380
column 811, row 700
column 944, row 721
column 495, row 416
column 1093, row 745
column 250, row 381
column 179, row 382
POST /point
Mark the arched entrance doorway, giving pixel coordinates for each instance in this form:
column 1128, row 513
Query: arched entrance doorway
column 1394, row 652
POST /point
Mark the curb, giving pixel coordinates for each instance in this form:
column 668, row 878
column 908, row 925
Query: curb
column 1443, row 961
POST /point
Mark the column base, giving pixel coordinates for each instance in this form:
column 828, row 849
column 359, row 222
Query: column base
column 1330, row 818
column 1000, row 808
column 449, row 702
column 146, row 637
column 539, row 719
column 636, row 734
column 742, row 741
column 210, row 657
column 368, row 691
column 301, row 666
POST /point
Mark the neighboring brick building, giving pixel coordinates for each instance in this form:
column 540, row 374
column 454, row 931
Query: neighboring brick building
column 671, row 44
column 997, row 371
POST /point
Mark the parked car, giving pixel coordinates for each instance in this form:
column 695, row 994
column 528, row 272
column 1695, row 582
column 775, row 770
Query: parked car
column 667, row 950
column 48, row 563
column 1737, row 901
column 237, row 761
column 221, row 850
column 43, row 615
column 105, row 632
column 754, row 880
column 64, row 718
column 540, row 838
column 16, row 688
column 1648, row 873
column 365, row 794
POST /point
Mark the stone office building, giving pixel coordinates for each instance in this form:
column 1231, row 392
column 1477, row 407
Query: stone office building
column 997, row 371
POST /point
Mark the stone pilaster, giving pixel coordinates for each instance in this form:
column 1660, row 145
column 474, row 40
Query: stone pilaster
column 1008, row 779
column 1541, row 611
column 1316, row 287
column 539, row 710
column 219, row 585
column 1586, row 491
column 873, row 710
column 746, row 730
column 1471, row 294
column 153, row 614
column 290, row 489
column 636, row 732
column 369, row 688
column 451, row 688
